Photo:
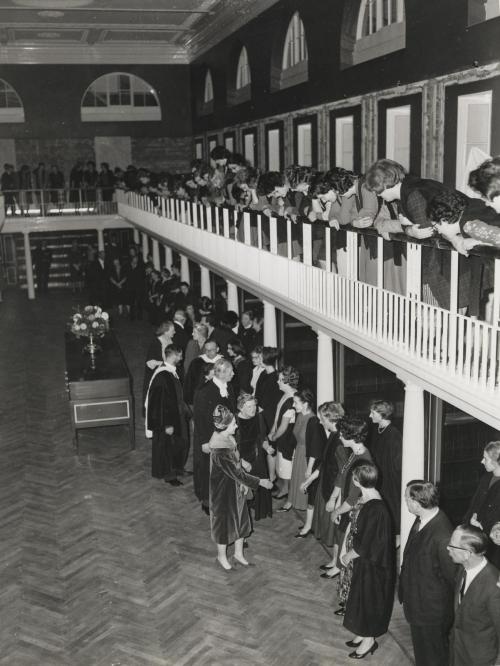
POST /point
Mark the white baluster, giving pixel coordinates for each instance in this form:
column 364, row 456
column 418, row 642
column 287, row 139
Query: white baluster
column 307, row 244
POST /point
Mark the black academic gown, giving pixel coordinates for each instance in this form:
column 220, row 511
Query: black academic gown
column 268, row 395
column 205, row 401
column 486, row 504
column 387, row 450
column 369, row 604
column 315, row 446
column 250, row 435
column 165, row 408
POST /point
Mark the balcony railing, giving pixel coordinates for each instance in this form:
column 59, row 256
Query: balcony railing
column 43, row 202
column 449, row 350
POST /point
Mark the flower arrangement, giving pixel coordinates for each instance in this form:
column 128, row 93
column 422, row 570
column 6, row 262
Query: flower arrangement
column 90, row 322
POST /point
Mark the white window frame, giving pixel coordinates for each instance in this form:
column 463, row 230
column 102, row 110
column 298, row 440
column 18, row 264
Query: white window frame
column 273, row 149
column 198, row 148
column 375, row 9
column 12, row 114
column 390, row 140
column 464, row 102
column 304, row 139
column 295, row 47
column 243, row 74
column 121, row 112
column 341, row 123
column 208, row 89
column 249, row 147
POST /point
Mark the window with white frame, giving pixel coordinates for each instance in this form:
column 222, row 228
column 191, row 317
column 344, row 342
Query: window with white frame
column 273, row 149
column 249, row 147
column 473, row 132
column 211, row 145
column 380, row 29
column 199, row 150
column 120, row 97
column 11, row 107
column 295, row 49
column 208, row 92
column 397, row 145
column 304, row 144
column 344, row 142
column 243, row 77
column 229, row 143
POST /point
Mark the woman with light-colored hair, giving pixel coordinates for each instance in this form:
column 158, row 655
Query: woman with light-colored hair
column 229, row 485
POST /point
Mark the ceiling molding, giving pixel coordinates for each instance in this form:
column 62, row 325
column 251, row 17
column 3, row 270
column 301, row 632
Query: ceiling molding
column 139, row 53
column 231, row 16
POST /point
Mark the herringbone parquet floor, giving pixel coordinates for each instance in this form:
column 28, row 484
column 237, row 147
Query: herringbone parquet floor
column 101, row 565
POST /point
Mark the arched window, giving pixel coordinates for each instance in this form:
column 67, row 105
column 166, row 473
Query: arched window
column 208, row 92
column 295, row 49
column 243, row 76
column 380, row 29
column 11, row 107
column 120, row 97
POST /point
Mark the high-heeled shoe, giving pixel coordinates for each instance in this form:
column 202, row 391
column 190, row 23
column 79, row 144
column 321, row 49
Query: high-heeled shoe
column 353, row 643
column 326, row 567
column 327, row 575
column 357, row 655
column 303, row 536
column 223, row 567
column 238, row 562
column 340, row 612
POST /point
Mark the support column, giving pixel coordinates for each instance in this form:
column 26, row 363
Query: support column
column 206, row 289
column 145, row 246
column 325, row 380
column 413, row 466
column 270, row 334
column 169, row 259
column 29, row 267
column 156, row 254
column 232, row 297
column 136, row 236
column 100, row 240
column 184, row 269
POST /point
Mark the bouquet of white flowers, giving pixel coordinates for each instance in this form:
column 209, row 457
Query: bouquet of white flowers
column 91, row 321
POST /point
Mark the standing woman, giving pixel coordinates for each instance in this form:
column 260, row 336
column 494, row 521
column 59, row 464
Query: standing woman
column 353, row 432
column 334, row 457
column 484, row 509
column 229, row 484
column 281, row 439
column 369, row 604
column 250, row 437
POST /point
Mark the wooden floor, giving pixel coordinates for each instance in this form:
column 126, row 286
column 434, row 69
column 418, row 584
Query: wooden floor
column 101, row 565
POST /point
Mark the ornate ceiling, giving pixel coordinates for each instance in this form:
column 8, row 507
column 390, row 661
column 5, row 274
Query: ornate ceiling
column 118, row 31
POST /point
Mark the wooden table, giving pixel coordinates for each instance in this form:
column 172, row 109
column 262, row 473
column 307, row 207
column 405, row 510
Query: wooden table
column 100, row 394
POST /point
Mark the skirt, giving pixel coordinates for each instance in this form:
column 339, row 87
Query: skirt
column 283, row 467
column 296, row 497
column 322, row 526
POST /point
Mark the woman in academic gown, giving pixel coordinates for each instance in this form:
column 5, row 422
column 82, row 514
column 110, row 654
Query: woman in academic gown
column 229, row 485
column 369, row 604
column 250, row 437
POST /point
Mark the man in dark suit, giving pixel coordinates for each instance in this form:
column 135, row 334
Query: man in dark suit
column 246, row 331
column 475, row 637
column 166, row 419
column 181, row 335
column 427, row 576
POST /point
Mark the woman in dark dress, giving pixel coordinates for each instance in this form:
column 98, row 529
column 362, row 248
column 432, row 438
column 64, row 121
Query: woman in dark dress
column 484, row 509
column 250, row 437
column 371, row 595
column 334, row 457
column 229, row 484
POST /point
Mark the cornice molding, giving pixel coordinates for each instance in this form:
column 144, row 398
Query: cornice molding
column 97, row 54
column 233, row 15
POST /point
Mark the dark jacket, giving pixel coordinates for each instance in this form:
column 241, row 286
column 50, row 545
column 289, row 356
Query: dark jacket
column 164, row 407
column 475, row 637
column 427, row 577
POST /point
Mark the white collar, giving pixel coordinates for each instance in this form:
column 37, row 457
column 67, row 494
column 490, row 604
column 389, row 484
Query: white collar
column 179, row 324
column 222, row 386
column 210, row 360
column 171, row 368
column 473, row 572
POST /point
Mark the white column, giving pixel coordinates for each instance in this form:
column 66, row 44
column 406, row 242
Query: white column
column 413, row 466
column 145, row 246
column 206, row 289
column 156, row 254
column 232, row 297
column 270, row 333
column 29, row 267
column 184, row 268
column 324, row 381
column 136, row 236
column 100, row 240
column 169, row 259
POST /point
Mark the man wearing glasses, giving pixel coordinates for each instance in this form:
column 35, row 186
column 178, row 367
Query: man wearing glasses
column 475, row 637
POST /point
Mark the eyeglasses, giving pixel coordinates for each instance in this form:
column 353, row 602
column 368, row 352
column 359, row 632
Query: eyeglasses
column 458, row 548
